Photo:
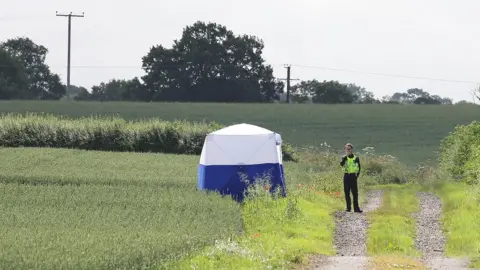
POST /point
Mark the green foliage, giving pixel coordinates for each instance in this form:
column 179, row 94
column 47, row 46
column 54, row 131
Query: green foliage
column 13, row 80
column 459, row 153
column 41, row 82
column 410, row 133
column 72, row 209
column 109, row 134
column 210, row 63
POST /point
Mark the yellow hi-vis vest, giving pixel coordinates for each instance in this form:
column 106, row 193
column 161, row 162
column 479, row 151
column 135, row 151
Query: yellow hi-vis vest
column 351, row 166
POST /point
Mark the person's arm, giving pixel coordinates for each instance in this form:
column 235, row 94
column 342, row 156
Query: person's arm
column 344, row 159
column 359, row 167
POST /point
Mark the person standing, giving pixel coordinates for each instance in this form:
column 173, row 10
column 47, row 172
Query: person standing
column 351, row 166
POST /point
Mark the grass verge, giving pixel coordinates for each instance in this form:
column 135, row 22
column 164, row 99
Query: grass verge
column 392, row 229
column 461, row 220
column 278, row 233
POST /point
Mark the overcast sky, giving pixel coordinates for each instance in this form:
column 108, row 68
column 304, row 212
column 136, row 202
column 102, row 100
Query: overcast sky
column 344, row 40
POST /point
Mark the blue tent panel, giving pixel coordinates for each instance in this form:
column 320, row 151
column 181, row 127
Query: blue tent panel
column 227, row 179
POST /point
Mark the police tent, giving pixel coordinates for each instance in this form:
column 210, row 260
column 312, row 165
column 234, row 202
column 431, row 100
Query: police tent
column 236, row 152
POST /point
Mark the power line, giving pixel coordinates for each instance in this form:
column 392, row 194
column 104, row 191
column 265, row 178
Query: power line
column 387, row 74
column 284, row 79
column 70, row 15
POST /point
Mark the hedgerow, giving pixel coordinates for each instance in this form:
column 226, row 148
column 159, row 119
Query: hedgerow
column 109, row 134
column 459, row 153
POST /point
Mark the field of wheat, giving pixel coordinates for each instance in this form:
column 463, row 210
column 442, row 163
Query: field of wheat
column 409, row 132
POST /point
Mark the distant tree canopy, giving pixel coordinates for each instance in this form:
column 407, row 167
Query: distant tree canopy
column 209, row 63
column 34, row 80
column 418, row 96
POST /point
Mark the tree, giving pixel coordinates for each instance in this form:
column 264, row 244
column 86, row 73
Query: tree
column 210, row 63
column 115, row 90
column 326, row 92
column 464, row 102
column 74, row 91
column 43, row 84
column 426, row 100
column 418, row 96
column 13, row 80
column 303, row 91
column 476, row 93
column 361, row 95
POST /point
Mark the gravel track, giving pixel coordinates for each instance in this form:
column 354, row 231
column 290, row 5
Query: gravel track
column 350, row 238
column 430, row 239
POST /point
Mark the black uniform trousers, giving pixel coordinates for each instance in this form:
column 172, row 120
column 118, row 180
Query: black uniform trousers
column 350, row 185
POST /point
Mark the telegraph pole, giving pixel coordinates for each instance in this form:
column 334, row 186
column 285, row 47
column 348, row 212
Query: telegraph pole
column 288, row 79
column 70, row 15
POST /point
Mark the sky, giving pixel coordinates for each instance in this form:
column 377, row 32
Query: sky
column 384, row 46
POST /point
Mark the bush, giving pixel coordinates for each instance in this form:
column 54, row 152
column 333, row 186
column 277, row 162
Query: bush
column 110, row 134
column 459, row 152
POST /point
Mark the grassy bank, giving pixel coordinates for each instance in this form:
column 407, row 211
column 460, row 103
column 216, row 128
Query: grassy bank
column 411, row 133
column 279, row 233
column 461, row 220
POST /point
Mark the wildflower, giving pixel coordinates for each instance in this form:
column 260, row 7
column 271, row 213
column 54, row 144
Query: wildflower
column 255, row 235
column 337, row 194
column 311, row 188
column 299, row 185
column 267, row 187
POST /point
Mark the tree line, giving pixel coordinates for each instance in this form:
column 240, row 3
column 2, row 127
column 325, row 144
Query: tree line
column 209, row 63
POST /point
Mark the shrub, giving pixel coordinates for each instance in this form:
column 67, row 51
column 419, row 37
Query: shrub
column 110, row 134
column 459, row 151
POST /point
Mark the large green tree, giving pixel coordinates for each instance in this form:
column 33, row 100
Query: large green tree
column 210, row 63
column 13, row 80
column 42, row 83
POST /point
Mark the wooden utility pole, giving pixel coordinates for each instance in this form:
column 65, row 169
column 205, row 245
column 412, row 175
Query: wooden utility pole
column 288, row 79
column 70, row 15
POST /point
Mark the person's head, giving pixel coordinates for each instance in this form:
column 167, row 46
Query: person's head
column 348, row 148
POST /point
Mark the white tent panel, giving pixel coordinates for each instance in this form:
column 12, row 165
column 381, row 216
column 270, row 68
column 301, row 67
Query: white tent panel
column 280, row 154
column 239, row 150
column 242, row 129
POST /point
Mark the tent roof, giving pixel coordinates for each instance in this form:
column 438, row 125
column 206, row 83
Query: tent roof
column 242, row 129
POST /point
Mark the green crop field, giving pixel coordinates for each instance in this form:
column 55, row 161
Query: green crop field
column 409, row 132
column 75, row 209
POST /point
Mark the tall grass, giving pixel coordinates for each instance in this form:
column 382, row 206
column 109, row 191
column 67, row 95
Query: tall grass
column 109, row 134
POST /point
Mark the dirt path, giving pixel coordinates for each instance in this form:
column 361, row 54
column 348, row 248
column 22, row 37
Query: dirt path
column 350, row 238
column 430, row 239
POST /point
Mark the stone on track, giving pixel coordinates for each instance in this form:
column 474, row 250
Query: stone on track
column 350, row 238
column 430, row 239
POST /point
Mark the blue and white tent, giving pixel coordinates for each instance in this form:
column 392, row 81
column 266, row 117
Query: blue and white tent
column 231, row 153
